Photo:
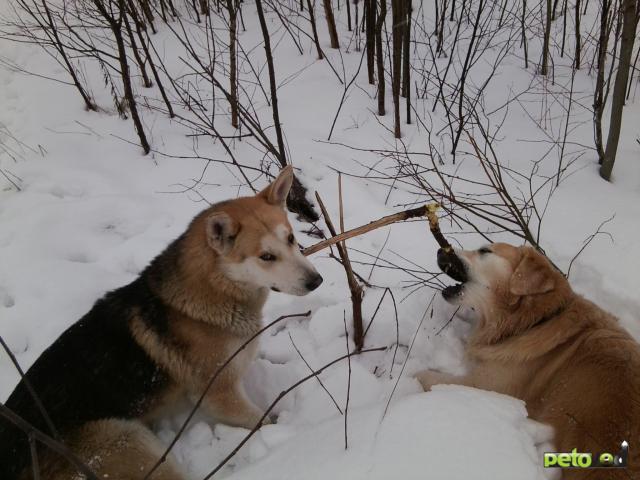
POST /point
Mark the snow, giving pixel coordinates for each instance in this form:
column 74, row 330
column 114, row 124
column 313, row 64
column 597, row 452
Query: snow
column 92, row 211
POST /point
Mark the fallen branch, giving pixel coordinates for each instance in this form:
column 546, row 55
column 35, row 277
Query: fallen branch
column 434, row 226
column 382, row 222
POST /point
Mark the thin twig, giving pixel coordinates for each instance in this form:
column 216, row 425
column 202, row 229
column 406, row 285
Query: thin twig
column 277, row 400
column 45, row 439
column 590, row 239
column 393, row 391
column 32, row 392
column 346, row 408
column 295, row 347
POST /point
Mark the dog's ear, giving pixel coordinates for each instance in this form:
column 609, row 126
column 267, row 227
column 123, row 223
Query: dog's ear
column 532, row 276
column 278, row 190
column 221, row 232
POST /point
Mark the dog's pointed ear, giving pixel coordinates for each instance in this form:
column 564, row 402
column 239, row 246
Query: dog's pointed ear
column 221, row 232
column 278, row 190
column 532, row 276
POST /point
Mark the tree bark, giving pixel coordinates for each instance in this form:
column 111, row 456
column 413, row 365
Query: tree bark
column 397, row 15
column 544, row 69
column 406, row 65
column 576, row 62
column 370, row 16
column 598, row 98
column 139, row 29
column 380, row 56
column 312, row 19
column 524, row 34
column 629, row 24
column 136, row 53
column 59, row 46
column 233, row 69
column 282, row 158
column 553, row 12
column 116, row 28
column 331, row 23
column 296, row 201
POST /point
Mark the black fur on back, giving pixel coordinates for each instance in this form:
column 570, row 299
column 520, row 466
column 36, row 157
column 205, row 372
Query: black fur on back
column 95, row 369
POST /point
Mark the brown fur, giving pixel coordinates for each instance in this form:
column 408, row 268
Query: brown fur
column 189, row 314
column 113, row 449
column 569, row 360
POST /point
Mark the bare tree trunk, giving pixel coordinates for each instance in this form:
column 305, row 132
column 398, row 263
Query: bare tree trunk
column 139, row 29
column 502, row 10
column 598, row 99
column 312, row 19
column 115, row 24
column 524, row 33
column 553, row 13
column 441, row 28
column 136, row 53
column 233, row 69
column 380, row 56
column 397, row 14
column 348, row 2
column 406, row 66
column 578, row 40
column 296, row 201
column 331, row 23
column 463, row 79
column 146, row 10
column 59, row 46
column 282, row 158
column 453, row 10
column 564, row 27
column 204, row 7
column 629, row 23
column 370, row 16
column 545, row 45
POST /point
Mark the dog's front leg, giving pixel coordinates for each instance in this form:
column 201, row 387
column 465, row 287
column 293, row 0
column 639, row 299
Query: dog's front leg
column 229, row 404
column 429, row 378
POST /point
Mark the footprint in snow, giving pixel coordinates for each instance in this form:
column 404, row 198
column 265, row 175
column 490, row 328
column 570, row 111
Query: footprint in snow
column 7, row 300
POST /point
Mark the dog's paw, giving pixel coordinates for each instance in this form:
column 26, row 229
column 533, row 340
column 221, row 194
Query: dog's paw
column 429, row 378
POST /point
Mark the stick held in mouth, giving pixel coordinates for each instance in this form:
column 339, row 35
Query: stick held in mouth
column 434, row 226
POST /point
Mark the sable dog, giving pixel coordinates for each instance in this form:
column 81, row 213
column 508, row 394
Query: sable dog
column 537, row 340
column 145, row 346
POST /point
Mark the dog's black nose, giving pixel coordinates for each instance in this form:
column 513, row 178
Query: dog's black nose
column 313, row 282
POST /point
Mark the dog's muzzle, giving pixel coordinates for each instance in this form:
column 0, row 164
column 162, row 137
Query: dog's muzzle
column 455, row 268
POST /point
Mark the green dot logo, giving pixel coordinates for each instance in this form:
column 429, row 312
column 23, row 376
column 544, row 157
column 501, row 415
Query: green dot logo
column 606, row 459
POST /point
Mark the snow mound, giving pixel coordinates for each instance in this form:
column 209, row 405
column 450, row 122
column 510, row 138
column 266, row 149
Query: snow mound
column 450, row 433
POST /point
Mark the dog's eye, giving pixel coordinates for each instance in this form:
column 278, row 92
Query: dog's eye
column 268, row 257
column 484, row 251
column 291, row 239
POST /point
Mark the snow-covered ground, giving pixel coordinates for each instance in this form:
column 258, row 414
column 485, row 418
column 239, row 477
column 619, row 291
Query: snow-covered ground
column 91, row 211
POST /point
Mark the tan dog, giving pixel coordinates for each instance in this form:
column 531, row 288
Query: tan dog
column 538, row 341
column 150, row 345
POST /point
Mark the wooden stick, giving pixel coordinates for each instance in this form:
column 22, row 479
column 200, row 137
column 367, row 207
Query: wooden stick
column 434, row 226
column 382, row 222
